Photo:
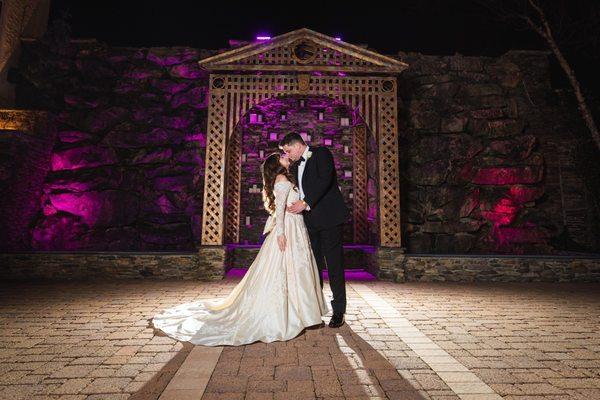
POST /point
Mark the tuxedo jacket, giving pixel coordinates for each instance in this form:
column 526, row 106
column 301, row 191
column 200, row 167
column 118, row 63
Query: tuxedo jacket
column 321, row 191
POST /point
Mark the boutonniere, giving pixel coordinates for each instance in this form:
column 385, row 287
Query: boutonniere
column 308, row 155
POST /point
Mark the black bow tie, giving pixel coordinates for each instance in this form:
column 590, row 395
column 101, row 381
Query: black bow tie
column 302, row 159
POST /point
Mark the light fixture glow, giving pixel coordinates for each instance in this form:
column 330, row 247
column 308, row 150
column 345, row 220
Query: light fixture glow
column 263, row 38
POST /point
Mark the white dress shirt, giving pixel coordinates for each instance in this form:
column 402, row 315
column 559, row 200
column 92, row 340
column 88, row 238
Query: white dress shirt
column 300, row 173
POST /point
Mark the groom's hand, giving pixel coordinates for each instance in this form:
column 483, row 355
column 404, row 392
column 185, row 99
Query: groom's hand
column 297, row 207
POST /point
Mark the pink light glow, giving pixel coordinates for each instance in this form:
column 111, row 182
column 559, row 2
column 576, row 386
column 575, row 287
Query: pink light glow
column 507, row 175
column 263, row 37
column 165, row 205
column 338, row 38
column 86, row 205
column 254, row 118
column 503, row 213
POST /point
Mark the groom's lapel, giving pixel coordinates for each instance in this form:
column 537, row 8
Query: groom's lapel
column 307, row 167
column 295, row 170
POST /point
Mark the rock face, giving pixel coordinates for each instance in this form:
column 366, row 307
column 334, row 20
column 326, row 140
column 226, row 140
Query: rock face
column 478, row 150
column 24, row 163
column 126, row 170
column 484, row 153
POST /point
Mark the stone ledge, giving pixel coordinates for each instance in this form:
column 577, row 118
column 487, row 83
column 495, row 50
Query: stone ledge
column 128, row 265
column 398, row 267
column 391, row 264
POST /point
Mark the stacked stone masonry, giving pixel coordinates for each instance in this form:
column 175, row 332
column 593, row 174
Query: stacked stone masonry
column 487, row 150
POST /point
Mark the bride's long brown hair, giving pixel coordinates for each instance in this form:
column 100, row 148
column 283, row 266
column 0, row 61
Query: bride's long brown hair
column 270, row 169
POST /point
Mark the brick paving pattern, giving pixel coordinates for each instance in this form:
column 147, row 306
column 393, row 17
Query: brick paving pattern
column 91, row 341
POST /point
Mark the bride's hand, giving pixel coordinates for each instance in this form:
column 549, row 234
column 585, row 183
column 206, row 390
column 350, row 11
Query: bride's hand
column 281, row 242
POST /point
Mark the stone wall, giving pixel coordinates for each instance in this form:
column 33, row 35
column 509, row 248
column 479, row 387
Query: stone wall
column 127, row 166
column 319, row 120
column 480, row 143
column 24, row 163
column 474, row 268
column 94, row 265
column 486, row 152
column 208, row 265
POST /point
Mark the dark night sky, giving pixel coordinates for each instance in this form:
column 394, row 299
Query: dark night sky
column 425, row 26
column 441, row 28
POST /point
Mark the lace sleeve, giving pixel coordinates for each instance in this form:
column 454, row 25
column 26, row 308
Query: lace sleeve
column 281, row 190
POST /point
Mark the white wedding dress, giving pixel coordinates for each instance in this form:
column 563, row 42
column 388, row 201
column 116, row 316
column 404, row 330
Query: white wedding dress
column 277, row 298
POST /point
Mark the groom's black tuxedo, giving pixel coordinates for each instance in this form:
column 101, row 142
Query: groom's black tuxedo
column 328, row 212
column 321, row 191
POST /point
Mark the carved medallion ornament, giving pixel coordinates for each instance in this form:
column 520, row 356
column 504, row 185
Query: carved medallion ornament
column 303, row 82
column 304, row 51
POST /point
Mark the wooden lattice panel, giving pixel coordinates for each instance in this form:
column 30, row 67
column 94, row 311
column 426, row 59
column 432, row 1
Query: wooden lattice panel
column 234, row 176
column 359, row 190
column 323, row 56
column 389, row 179
column 214, row 180
column 232, row 95
column 356, row 91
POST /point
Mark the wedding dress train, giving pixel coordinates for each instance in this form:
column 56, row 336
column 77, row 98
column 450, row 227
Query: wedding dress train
column 277, row 298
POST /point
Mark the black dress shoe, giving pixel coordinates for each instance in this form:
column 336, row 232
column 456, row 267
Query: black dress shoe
column 336, row 321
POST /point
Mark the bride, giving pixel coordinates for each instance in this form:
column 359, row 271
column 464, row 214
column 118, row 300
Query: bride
column 280, row 294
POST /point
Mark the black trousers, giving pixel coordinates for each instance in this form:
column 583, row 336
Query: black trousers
column 327, row 248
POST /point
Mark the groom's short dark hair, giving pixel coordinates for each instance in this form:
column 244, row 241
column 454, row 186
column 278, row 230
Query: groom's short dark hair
column 290, row 139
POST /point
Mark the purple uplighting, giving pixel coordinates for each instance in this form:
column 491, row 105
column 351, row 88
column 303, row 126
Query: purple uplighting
column 338, row 38
column 261, row 37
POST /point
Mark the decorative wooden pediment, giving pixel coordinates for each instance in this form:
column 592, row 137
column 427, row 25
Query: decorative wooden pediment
column 303, row 50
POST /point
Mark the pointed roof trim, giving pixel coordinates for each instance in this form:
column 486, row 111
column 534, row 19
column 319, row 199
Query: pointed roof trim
column 380, row 61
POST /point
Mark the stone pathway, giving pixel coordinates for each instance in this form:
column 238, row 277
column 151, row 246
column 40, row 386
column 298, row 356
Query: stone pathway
column 193, row 375
column 91, row 341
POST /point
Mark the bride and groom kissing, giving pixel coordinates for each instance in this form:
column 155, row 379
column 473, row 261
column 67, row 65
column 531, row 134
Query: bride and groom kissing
column 282, row 292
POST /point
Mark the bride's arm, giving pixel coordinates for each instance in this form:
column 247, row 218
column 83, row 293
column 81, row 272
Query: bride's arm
column 281, row 189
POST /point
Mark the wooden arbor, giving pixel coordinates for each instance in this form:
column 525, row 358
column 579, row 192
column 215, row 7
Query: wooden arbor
column 297, row 63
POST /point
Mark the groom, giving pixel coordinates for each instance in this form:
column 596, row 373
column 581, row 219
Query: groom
column 324, row 212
